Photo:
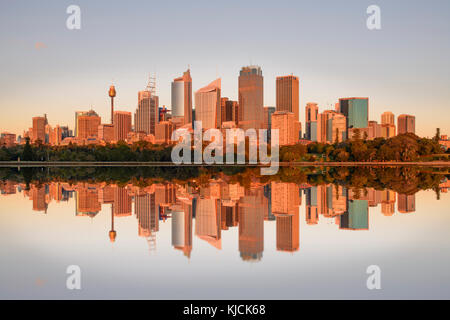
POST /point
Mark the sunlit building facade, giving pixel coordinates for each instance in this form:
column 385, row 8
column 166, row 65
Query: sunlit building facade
column 122, row 125
column 182, row 98
column 251, row 98
column 208, row 105
column 287, row 95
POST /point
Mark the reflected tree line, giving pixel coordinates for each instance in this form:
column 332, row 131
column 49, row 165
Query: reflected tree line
column 405, row 180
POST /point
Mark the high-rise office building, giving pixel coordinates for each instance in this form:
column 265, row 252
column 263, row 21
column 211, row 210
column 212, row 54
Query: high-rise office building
column 387, row 118
column 163, row 132
column 387, row 130
column 207, row 105
column 106, row 132
column 287, row 89
column 288, row 127
column 147, row 112
column 122, row 125
column 55, row 136
column 311, row 115
column 388, row 125
column 406, row 124
column 228, row 110
column 87, row 124
column 38, row 132
column 356, row 110
column 182, row 98
column 251, row 98
column 375, row 130
column 334, row 126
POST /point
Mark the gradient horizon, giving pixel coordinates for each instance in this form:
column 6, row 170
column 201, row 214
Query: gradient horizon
column 402, row 68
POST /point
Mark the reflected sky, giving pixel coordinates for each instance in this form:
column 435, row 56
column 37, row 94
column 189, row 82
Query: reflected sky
column 272, row 240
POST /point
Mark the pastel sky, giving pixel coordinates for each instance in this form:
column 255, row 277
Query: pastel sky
column 47, row 68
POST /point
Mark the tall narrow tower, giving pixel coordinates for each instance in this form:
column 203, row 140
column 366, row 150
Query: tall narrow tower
column 112, row 94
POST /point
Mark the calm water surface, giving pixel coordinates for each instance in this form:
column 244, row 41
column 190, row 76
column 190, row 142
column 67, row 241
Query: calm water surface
column 222, row 240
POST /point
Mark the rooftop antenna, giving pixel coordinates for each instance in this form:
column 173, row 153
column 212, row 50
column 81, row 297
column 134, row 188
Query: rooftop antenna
column 151, row 85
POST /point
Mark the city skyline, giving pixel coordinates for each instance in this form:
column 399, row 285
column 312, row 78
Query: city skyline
column 390, row 66
column 348, row 119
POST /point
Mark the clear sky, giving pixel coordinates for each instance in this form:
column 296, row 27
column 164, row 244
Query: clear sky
column 47, row 68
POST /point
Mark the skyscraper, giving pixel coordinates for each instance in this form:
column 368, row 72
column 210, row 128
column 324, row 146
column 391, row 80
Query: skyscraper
column 406, row 124
column 207, row 105
column 147, row 112
column 87, row 124
column 229, row 110
column 387, row 118
column 288, row 127
column 311, row 114
column 287, row 88
column 356, row 111
column 122, row 125
column 251, row 98
column 182, row 97
column 335, row 126
column 39, row 129
column 387, row 124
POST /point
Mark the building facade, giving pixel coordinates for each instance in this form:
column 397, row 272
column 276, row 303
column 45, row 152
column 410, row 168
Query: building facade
column 182, row 98
column 208, row 105
column 287, row 95
column 251, row 98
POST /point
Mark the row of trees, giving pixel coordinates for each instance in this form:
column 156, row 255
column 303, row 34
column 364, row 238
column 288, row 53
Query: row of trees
column 404, row 147
column 139, row 151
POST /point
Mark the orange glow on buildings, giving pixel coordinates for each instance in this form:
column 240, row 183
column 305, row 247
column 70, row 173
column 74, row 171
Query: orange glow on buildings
column 406, row 124
column 287, row 95
column 288, row 127
column 122, row 125
column 207, row 105
column 251, row 98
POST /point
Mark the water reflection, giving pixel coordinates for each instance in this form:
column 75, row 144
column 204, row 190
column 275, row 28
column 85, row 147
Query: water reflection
column 206, row 208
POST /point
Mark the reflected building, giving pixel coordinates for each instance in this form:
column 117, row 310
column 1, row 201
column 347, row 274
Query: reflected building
column 182, row 228
column 87, row 203
column 207, row 221
column 388, row 202
column 38, row 197
column 406, row 203
column 122, row 202
column 356, row 217
column 251, row 225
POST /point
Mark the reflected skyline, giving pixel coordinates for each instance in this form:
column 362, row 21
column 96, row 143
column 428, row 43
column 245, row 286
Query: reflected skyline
column 206, row 211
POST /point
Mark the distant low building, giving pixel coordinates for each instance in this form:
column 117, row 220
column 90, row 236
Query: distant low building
column 7, row 139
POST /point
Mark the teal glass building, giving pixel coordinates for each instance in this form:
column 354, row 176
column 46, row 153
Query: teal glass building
column 356, row 110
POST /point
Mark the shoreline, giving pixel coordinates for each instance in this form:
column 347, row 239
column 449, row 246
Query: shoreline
column 25, row 164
